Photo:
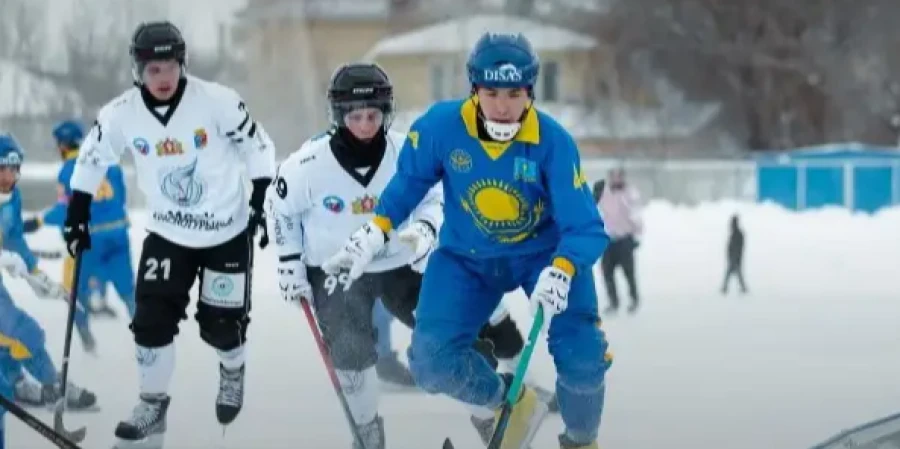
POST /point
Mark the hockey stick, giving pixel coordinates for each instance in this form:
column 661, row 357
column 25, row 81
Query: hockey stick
column 58, row 439
column 78, row 434
column 329, row 366
column 512, row 395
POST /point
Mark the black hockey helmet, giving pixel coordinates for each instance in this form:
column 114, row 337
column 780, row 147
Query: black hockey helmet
column 155, row 41
column 360, row 85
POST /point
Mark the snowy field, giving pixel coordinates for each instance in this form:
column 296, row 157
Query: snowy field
column 811, row 350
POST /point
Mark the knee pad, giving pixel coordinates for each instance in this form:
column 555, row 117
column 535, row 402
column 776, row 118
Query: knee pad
column 352, row 349
column 155, row 322
column 505, row 337
column 579, row 351
column 223, row 332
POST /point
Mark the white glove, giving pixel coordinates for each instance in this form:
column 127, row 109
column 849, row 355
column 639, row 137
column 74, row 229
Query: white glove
column 13, row 263
column 421, row 237
column 358, row 251
column 551, row 292
column 292, row 281
column 44, row 287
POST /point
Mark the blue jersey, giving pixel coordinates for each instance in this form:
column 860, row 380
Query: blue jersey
column 12, row 229
column 501, row 198
column 108, row 208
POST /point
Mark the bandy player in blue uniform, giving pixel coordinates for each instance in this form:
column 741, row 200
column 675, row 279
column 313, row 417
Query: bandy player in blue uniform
column 21, row 337
column 109, row 259
column 518, row 213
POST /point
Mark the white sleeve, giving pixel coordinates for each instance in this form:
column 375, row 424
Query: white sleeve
column 287, row 200
column 102, row 148
column 251, row 140
column 431, row 208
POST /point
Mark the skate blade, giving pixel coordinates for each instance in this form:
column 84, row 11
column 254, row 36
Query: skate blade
column 151, row 442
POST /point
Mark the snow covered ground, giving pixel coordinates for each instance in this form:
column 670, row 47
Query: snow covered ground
column 811, row 350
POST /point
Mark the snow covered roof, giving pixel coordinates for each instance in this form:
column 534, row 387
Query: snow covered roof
column 459, row 35
column 22, row 94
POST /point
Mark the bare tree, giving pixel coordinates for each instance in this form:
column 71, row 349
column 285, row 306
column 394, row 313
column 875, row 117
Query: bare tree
column 21, row 36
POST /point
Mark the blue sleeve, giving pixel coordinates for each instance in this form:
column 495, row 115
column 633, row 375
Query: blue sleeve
column 56, row 215
column 13, row 235
column 419, row 168
column 582, row 234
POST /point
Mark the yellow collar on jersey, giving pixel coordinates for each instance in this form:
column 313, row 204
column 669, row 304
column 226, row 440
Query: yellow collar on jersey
column 529, row 133
column 70, row 154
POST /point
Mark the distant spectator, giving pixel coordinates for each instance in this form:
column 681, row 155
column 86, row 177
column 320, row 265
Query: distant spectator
column 735, row 256
column 619, row 206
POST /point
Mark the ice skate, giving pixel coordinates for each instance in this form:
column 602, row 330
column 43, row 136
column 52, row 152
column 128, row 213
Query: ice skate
column 527, row 415
column 372, row 434
column 147, row 426
column 391, row 370
column 231, row 394
column 484, row 427
column 566, row 443
column 33, row 394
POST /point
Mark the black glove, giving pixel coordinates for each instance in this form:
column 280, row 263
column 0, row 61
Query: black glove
column 257, row 214
column 75, row 229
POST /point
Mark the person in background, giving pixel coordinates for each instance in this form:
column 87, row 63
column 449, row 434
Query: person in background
column 388, row 367
column 619, row 207
column 735, row 265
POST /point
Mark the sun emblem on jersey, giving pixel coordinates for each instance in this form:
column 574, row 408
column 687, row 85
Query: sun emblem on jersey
column 501, row 211
column 364, row 205
column 200, row 138
column 169, row 147
column 182, row 187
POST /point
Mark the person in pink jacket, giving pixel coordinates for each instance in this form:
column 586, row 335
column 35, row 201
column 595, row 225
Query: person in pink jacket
column 619, row 206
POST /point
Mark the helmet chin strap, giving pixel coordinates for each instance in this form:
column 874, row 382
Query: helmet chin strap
column 502, row 132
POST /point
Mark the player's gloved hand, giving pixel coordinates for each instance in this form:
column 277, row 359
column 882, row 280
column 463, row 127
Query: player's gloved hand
column 551, row 292
column 358, row 251
column 75, row 228
column 422, row 237
column 257, row 213
column 13, row 263
column 44, row 287
column 292, row 280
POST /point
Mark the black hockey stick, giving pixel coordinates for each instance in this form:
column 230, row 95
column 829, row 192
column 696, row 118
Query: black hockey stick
column 58, row 439
column 512, row 395
column 329, row 367
column 78, row 434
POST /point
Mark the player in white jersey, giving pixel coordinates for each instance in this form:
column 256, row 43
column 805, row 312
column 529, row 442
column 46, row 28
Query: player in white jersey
column 196, row 149
column 325, row 191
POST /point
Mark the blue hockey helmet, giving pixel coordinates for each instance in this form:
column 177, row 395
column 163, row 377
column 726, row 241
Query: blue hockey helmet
column 68, row 133
column 501, row 60
column 11, row 156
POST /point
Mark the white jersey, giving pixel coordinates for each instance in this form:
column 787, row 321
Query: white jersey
column 193, row 159
column 314, row 204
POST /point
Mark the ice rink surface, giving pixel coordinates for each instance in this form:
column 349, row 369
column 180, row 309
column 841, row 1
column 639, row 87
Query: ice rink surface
column 812, row 349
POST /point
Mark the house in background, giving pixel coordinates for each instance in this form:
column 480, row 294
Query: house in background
column 292, row 48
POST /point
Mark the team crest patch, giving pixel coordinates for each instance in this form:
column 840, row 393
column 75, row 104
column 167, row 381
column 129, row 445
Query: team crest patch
column 141, row 145
column 460, row 161
column 169, row 147
column 334, row 204
column 364, row 205
column 200, row 138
